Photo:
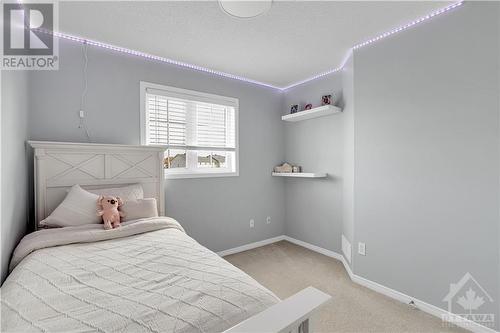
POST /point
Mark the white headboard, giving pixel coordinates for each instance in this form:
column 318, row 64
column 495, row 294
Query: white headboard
column 60, row 165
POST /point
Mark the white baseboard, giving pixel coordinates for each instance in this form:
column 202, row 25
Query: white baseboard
column 394, row 294
column 250, row 246
column 315, row 248
column 321, row 250
column 348, row 268
column 421, row 305
column 346, row 248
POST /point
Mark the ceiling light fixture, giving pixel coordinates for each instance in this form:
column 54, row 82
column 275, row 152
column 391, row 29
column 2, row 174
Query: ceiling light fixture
column 245, row 9
column 243, row 79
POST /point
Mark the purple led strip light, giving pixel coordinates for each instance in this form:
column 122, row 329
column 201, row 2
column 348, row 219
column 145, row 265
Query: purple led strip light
column 154, row 57
column 409, row 25
column 240, row 78
column 372, row 40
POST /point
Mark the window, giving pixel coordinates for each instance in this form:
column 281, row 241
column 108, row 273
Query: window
column 199, row 130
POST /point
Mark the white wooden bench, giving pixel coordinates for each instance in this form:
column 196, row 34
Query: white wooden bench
column 291, row 315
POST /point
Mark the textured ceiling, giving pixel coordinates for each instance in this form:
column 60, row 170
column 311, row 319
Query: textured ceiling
column 294, row 40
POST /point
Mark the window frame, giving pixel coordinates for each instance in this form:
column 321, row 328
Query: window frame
column 216, row 99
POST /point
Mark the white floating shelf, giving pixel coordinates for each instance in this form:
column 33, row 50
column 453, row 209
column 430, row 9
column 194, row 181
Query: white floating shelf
column 300, row 174
column 320, row 111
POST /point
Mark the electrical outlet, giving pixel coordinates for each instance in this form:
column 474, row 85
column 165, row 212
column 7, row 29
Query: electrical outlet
column 81, row 114
column 252, row 223
column 362, row 248
column 268, row 220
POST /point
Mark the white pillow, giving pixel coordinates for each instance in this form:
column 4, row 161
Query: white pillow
column 126, row 193
column 79, row 207
column 139, row 209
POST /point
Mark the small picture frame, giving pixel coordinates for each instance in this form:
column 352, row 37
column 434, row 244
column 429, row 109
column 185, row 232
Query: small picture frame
column 326, row 100
column 308, row 107
column 294, row 108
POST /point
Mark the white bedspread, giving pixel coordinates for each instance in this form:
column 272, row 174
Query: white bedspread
column 147, row 276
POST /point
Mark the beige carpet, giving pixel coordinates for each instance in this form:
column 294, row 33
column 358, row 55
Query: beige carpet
column 286, row 268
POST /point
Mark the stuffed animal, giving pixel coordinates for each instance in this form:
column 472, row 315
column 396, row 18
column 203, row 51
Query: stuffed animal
column 108, row 208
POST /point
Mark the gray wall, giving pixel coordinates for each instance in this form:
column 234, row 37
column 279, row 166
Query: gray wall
column 215, row 211
column 14, row 162
column 427, row 155
column 314, row 206
column 498, row 238
column 414, row 173
column 415, row 158
column 319, row 211
column 348, row 157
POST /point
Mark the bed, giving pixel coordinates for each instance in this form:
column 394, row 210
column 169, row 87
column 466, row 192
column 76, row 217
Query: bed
column 146, row 276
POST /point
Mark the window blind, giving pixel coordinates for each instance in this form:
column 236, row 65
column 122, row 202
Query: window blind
column 199, row 130
column 166, row 121
column 181, row 123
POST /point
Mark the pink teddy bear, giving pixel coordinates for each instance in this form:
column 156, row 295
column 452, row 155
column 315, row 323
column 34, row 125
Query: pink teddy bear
column 108, row 208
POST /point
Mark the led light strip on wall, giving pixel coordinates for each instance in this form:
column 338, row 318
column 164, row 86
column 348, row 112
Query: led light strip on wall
column 409, row 25
column 331, row 71
column 240, row 78
column 372, row 40
column 154, row 57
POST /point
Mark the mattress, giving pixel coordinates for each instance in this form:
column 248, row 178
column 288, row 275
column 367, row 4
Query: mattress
column 146, row 276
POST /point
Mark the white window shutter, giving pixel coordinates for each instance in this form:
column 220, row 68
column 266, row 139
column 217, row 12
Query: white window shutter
column 166, row 121
column 213, row 125
column 179, row 123
column 199, row 130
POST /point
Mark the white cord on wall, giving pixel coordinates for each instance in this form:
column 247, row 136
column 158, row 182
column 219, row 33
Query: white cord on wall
column 81, row 112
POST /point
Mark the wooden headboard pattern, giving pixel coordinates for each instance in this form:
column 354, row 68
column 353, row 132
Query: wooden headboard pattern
column 60, row 165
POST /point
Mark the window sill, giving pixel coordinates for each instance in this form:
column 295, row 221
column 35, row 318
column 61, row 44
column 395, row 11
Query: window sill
column 200, row 175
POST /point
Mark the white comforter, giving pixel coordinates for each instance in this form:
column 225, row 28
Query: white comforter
column 147, row 276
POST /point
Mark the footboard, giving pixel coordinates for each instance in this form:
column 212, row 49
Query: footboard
column 291, row 315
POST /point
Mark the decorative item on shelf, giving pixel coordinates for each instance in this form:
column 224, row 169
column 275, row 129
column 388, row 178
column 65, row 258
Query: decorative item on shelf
column 284, row 168
column 294, row 108
column 308, row 107
column 296, row 169
column 326, row 100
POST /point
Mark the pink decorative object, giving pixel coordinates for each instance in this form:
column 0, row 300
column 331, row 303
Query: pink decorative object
column 108, row 208
column 326, row 100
